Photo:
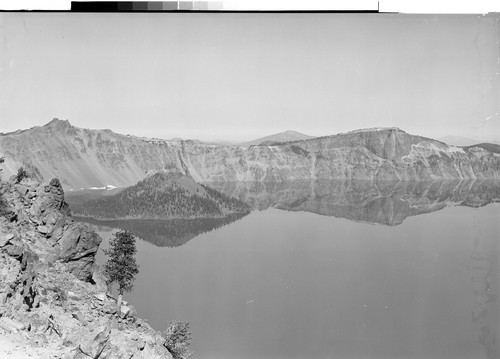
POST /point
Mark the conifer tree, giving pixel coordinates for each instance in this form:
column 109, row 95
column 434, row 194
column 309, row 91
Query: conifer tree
column 121, row 267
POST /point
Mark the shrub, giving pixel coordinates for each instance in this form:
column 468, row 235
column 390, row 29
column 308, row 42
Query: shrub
column 21, row 174
column 4, row 206
column 2, row 160
column 178, row 339
column 433, row 160
column 299, row 150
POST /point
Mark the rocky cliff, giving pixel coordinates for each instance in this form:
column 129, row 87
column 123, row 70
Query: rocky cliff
column 87, row 158
column 52, row 301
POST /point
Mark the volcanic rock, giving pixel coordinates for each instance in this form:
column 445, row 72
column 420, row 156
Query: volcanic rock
column 46, row 300
column 98, row 158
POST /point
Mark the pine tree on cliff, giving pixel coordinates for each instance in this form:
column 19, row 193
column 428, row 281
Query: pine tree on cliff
column 121, row 267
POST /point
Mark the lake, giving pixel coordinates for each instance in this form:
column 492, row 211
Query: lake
column 328, row 270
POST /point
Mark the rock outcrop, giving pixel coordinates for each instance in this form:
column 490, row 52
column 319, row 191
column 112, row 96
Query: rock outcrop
column 44, row 226
column 53, row 301
column 96, row 158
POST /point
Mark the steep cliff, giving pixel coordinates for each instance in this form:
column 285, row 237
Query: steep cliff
column 86, row 158
column 82, row 157
column 42, row 225
column 52, row 301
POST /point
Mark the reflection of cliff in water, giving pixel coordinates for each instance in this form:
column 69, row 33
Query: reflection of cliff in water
column 166, row 233
column 384, row 202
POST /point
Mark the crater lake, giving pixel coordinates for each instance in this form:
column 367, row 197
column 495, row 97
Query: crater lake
column 326, row 269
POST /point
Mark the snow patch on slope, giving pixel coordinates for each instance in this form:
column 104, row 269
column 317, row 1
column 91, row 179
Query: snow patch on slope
column 107, row 187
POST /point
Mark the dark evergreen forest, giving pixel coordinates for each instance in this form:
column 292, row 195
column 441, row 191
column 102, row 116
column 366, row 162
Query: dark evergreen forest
column 162, row 196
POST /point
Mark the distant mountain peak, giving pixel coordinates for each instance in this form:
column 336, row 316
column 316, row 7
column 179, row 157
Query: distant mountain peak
column 286, row 136
column 57, row 123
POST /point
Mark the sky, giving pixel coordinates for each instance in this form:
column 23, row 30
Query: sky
column 243, row 76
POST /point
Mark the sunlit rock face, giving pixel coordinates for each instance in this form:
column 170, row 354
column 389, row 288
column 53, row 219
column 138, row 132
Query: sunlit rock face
column 81, row 157
column 95, row 158
column 52, row 298
column 46, row 228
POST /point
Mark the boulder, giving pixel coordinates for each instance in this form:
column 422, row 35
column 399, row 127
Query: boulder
column 110, row 309
column 14, row 250
column 81, row 267
column 22, row 189
column 49, row 198
column 100, row 296
column 96, row 346
column 78, row 241
column 57, row 233
column 73, row 296
column 5, row 238
column 11, row 325
column 99, row 279
column 141, row 344
column 79, row 316
column 133, row 312
column 78, row 246
column 10, row 214
column 124, row 311
column 53, row 217
column 42, row 229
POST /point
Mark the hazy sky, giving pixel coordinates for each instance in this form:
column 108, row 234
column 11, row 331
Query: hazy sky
column 242, row 76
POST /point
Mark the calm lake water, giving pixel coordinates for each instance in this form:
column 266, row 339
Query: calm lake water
column 411, row 276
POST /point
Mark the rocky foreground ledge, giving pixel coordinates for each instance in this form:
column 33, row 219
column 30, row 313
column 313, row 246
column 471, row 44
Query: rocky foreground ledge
column 53, row 301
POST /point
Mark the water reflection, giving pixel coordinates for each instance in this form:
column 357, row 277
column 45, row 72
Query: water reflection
column 422, row 289
column 479, row 268
column 386, row 202
column 166, row 233
column 383, row 202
